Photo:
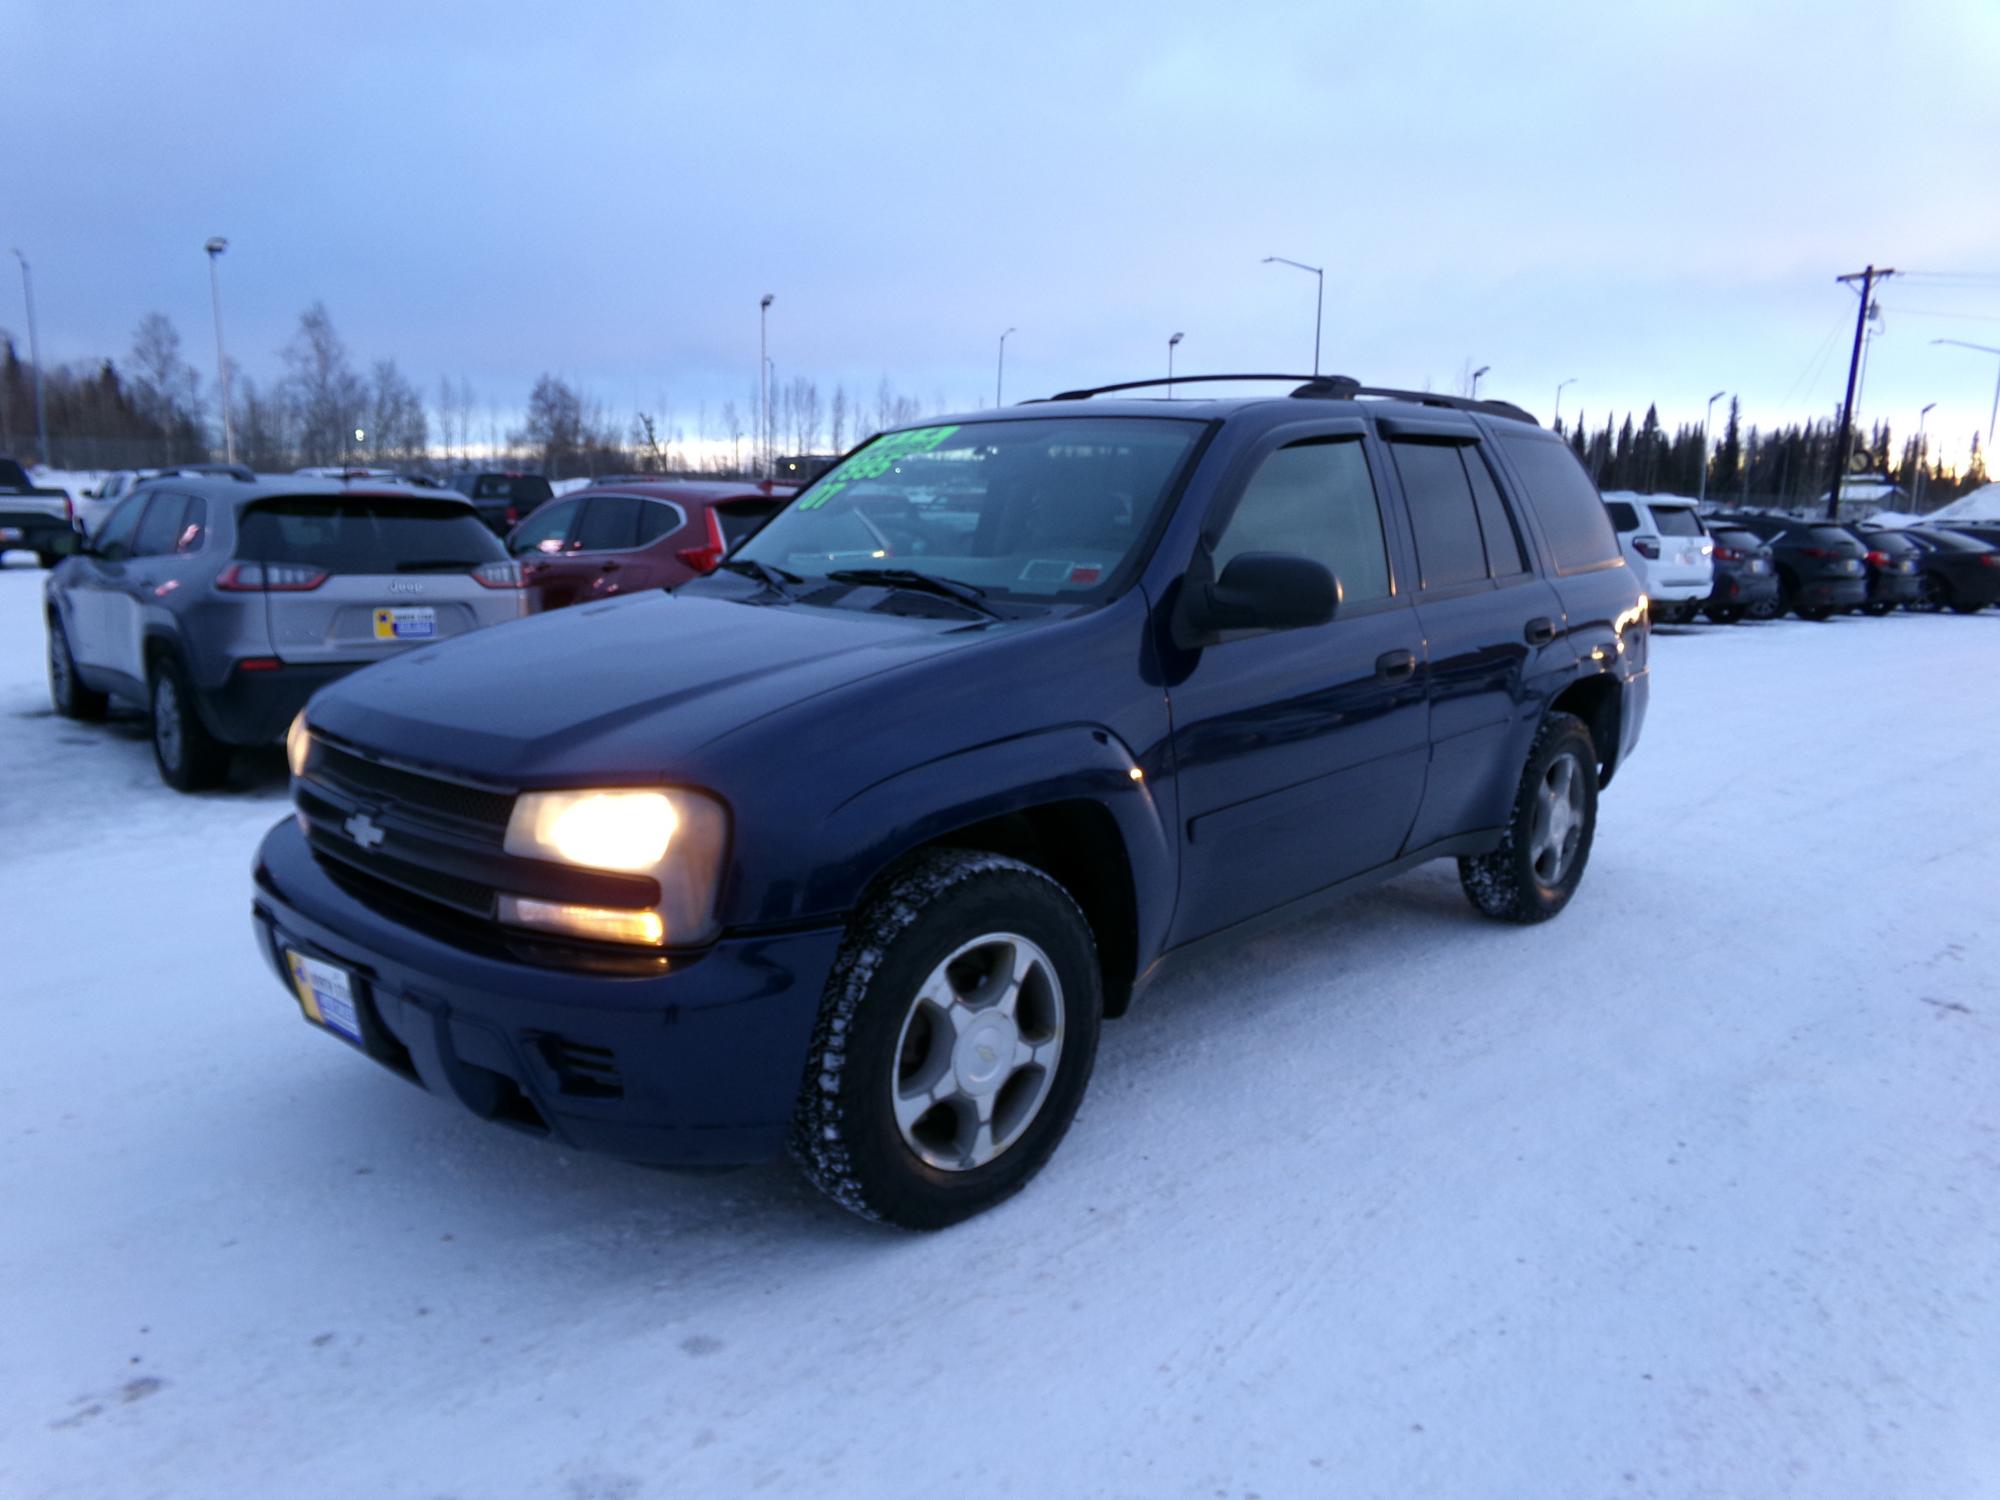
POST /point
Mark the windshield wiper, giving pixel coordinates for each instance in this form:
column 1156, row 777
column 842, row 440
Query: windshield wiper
column 971, row 595
column 773, row 578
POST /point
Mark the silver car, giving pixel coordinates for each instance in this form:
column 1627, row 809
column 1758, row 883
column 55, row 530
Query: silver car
column 220, row 603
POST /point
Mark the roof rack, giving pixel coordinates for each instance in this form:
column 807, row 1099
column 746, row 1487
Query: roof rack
column 1320, row 387
column 204, row 471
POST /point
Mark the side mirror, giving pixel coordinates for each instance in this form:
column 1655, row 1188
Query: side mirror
column 1262, row 591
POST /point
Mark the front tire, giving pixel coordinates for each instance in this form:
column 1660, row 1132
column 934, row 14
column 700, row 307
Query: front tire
column 1535, row 870
column 955, row 1040
column 189, row 757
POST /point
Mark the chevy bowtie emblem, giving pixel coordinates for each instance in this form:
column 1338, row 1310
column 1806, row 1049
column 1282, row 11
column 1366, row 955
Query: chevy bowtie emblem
column 363, row 830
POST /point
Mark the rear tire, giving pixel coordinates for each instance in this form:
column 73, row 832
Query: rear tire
column 1725, row 614
column 189, row 757
column 1535, row 870
column 1877, row 607
column 937, row 1084
column 67, row 691
column 1817, row 616
column 1960, row 607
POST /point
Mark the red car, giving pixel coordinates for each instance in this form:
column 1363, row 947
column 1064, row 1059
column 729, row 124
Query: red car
column 620, row 537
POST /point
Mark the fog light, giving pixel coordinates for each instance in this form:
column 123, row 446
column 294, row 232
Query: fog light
column 603, row 924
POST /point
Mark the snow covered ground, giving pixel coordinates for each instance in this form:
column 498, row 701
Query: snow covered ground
column 1692, row 1192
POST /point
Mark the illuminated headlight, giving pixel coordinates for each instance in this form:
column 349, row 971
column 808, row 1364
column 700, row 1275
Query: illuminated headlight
column 676, row 836
column 298, row 744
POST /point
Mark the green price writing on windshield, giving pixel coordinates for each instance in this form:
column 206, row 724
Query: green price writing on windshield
column 876, row 460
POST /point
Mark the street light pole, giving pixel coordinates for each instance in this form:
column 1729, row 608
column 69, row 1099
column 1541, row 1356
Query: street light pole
column 1982, row 348
column 1557, row 422
column 1475, row 380
column 1319, row 305
column 1000, row 371
column 1707, row 413
column 35, row 354
column 1170, row 363
column 1917, row 489
column 215, row 247
column 764, row 382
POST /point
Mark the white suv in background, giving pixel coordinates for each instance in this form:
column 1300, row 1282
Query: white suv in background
column 1665, row 543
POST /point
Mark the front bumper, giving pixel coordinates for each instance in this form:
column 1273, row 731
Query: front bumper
column 695, row 1063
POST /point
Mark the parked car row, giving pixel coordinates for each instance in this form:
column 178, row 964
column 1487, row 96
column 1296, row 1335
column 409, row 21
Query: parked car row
column 1732, row 565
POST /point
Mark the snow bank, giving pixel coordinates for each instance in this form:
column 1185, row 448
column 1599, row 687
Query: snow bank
column 1983, row 504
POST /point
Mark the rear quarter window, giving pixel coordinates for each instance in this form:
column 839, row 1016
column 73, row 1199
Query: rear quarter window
column 1572, row 513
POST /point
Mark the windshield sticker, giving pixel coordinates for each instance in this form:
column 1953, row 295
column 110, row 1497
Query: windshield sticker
column 877, row 459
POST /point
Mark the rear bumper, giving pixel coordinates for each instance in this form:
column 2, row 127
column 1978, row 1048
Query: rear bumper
column 1679, row 589
column 1895, row 588
column 38, row 531
column 696, row 1063
column 1744, row 589
column 255, row 708
column 1830, row 593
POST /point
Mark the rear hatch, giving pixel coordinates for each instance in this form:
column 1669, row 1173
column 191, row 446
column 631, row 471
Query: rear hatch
column 1684, row 545
column 1828, row 552
column 352, row 577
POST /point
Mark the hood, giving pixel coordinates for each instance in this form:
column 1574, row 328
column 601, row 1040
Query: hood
column 616, row 691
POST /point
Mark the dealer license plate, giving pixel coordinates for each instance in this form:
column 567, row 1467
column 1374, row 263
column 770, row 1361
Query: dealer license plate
column 417, row 623
column 326, row 994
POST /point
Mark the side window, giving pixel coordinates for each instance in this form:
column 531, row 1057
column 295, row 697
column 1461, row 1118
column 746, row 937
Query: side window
column 114, row 541
column 656, row 519
column 1623, row 517
column 162, row 523
column 609, row 523
column 1442, row 514
column 545, row 530
column 194, row 526
column 1315, row 499
column 1505, row 557
column 1571, row 511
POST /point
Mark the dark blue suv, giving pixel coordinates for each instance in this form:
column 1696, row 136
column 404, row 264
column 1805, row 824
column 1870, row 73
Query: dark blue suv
column 850, row 846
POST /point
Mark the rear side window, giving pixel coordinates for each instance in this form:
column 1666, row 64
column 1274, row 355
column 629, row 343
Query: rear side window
column 738, row 518
column 1572, row 513
column 1314, row 499
column 1623, row 517
column 610, row 522
column 656, row 519
column 162, row 526
column 1442, row 515
column 366, row 534
column 1505, row 557
column 1676, row 520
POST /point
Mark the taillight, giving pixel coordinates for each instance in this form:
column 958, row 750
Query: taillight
column 1728, row 554
column 704, row 559
column 500, row 575
column 1877, row 559
column 1646, row 547
column 261, row 578
column 1819, row 554
column 69, row 508
column 1989, row 559
column 513, row 516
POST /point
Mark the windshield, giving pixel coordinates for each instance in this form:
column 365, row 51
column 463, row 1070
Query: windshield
column 1048, row 509
column 366, row 534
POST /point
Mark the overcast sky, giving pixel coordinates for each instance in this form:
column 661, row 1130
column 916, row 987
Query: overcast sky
column 1653, row 199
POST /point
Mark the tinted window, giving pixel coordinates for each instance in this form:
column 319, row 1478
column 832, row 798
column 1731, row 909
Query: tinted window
column 609, row 523
column 1314, row 499
column 1504, row 554
column 656, row 519
column 114, row 540
column 1572, row 515
column 523, row 489
column 738, row 518
column 545, row 530
column 1951, row 541
column 366, row 534
column 1891, row 543
column 1676, row 520
column 1743, row 541
column 1034, row 508
column 1829, row 536
column 162, row 526
column 1441, row 513
column 1623, row 517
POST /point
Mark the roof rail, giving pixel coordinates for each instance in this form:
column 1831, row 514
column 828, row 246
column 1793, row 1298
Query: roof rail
column 238, row 472
column 1322, row 387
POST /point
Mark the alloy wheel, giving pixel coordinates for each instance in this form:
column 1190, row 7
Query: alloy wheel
column 1558, row 824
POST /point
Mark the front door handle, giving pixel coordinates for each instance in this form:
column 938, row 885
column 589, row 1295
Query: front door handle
column 607, row 567
column 1394, row 666
column 1541, row 630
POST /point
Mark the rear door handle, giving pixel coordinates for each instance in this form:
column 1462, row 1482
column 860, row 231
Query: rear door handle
column 1541, row 630
column 1394, row 666
column 607, row 567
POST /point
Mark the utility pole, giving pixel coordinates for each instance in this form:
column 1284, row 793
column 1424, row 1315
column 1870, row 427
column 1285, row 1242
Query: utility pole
column 1706, row 417
column 35, row 354
column 215, row 247
column 1000, row 369
column 1867, row 277
column 764, row 382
